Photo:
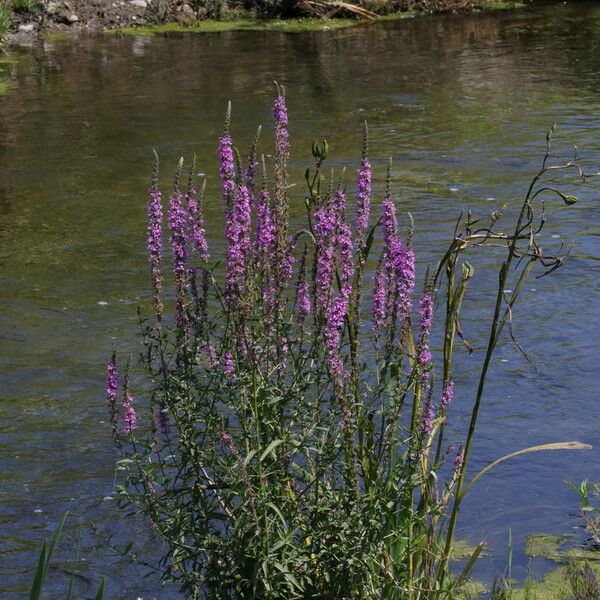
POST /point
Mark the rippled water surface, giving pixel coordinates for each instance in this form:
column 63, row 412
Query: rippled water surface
column 461, row 103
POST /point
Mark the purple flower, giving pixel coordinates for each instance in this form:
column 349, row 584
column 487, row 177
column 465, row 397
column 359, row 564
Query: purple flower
column 281, row 122
column 363, row 196
column 112, row 389
column 390, row 223
column 447, row 394
column 338, row 205
column 211, row 355
column 338, row 309
column 427, row 417
column 396, row 272
column 425, row 321
column 287, row 265
column 178, row 229
column 226, row 438
column 155, row 218
column 280, row 207
column 226, row 166
column 129, row 416
column 458, row 461
column 406, row 282
column 238, row 244
column 303, row 300
column 346, row 256
column 197, row 225
column 265, row 229
column 227, row 176
column 229, row 366
column 324, row 227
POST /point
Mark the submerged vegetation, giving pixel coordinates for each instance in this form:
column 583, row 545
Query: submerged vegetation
column 289, row 438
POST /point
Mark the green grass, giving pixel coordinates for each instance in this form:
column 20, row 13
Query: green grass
column 491, row 5
column 57, row 36
column 245, row 22
column 241, row 24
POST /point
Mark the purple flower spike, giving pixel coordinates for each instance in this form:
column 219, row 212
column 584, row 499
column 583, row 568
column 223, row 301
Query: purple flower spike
column 281, row 122
column 238, row 244
column 428, row 417
column 303, row 299
column 425, row 321
column 338, row 309
column 324, row 226
column 363, row 196
column 406, row 282
column 155, row 219
column 447, row 394
column 197, row 225
column 458, row 461
column 345, row 247
column 178, row 228
column 229, row 366
column 265, row 229
column 226, row 166
column 112, row 389
column 129, row 416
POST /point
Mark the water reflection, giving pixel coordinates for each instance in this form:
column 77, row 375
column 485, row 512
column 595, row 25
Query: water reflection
column 461, row 103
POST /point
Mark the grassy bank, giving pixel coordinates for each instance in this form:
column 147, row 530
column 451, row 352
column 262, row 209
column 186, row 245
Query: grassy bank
column 248, row 22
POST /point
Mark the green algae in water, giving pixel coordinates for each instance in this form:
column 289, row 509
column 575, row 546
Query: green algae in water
column 462, row 550
column 552, row 547
column 555, row 585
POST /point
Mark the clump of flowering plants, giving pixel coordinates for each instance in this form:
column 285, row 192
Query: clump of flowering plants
column 292, row 440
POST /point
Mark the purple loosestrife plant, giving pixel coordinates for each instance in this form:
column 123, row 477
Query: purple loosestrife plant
column 281, row 449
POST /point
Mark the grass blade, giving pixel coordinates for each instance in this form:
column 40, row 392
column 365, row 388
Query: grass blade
column 38, row 581
column 540, row 448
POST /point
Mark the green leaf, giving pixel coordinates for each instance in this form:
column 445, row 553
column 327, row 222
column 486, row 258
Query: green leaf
column 539, row 448
column 270, row 449
column 38, row 581
column 100, row 593
column 249, row 457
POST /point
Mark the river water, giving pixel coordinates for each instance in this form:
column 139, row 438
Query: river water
column 462, row 104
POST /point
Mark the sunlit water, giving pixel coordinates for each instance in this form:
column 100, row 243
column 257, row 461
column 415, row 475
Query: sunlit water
column 461, row 103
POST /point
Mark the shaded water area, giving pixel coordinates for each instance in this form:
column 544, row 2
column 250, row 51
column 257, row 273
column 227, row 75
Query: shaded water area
column 461, row 103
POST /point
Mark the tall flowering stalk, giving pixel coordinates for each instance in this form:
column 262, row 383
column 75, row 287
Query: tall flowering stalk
column 363, row 191
column 288, row 447
column 129, row 414
column 238, row 244
column 194, row 204
column 178, row 226
column 155, row 220
column 283, row 247
column 112, row 391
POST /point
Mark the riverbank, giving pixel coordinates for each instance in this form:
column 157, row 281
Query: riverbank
column 34, row 18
